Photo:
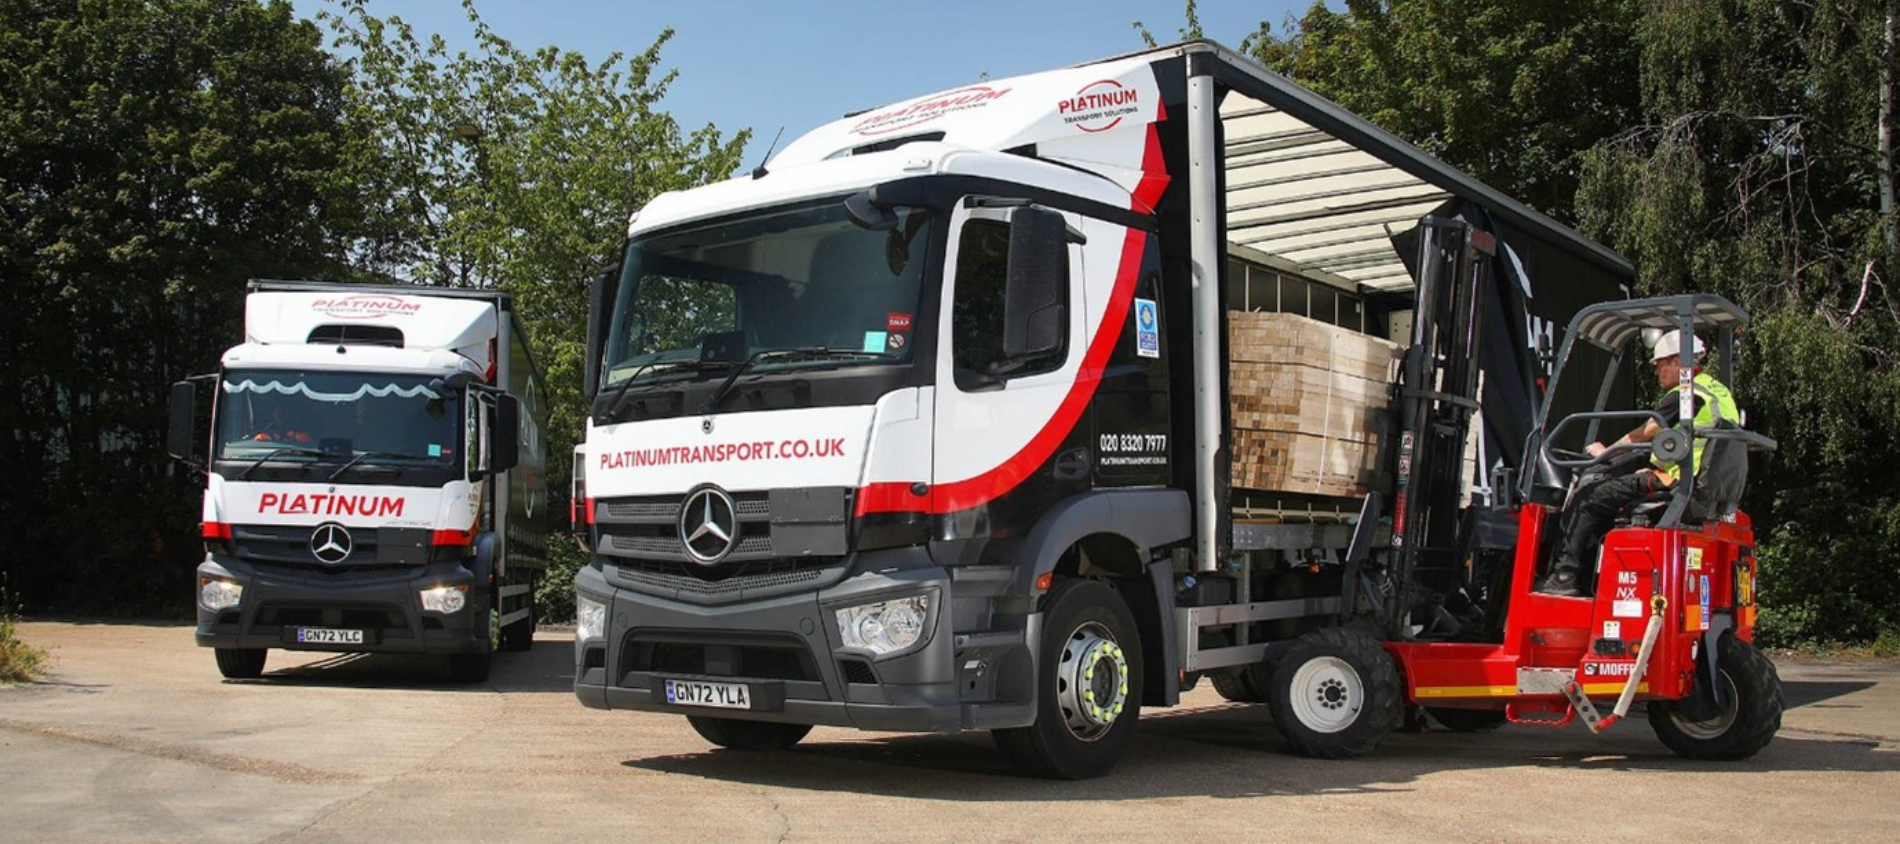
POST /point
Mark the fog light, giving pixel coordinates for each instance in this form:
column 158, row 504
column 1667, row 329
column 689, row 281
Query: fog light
column 885, row 627
column 590, row 618
column 447, row 600
column 215, row 594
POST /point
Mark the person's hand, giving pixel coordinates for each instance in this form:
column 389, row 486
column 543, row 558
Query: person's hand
column 1595, row 449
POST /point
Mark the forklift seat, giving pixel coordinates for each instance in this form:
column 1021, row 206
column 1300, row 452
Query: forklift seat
column 1719, row 485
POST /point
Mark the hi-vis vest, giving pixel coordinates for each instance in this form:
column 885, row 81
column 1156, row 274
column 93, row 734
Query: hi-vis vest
column 1717, row 406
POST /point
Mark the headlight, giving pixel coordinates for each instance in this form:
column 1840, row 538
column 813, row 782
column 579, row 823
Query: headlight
column 885, row 627
column 215, row 594
column 590, row 618
column 447, row 600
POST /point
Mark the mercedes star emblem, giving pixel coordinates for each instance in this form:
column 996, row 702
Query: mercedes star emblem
column 330, row 543
column 706, row 425
column 709, row 525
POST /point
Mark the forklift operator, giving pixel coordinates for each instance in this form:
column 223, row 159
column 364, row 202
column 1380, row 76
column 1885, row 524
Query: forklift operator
column 1593, row 509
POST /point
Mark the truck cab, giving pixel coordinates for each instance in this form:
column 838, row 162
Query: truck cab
column 365, row 454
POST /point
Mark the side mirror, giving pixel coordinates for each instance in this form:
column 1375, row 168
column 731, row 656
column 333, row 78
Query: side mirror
column 1035, row 316
column 598, row 312
column 180, row 441
column 865, row 213
column 504, row 434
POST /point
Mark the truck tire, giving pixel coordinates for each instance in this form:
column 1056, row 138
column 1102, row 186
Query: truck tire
column 241, row 663
column 1088, row 694
column 1239, row 686
column 1467, row 720
column 475, row 667
column 1744, row 727
column 1335, row 694
column 747, row 735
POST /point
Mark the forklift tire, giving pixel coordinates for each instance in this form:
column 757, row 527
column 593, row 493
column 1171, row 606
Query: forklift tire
column 1467, row 720
column 1237, row 687
column 241, row 663
column 1744, row 727
column 1336, row 694
column 747, row 735
column 1088, row 694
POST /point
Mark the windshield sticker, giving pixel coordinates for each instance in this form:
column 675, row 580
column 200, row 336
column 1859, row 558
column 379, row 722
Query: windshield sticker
column 249, row 386
column 897, row 322
column 435, row 450
column 1147, row 334
column 897, row 342
column 874, row 342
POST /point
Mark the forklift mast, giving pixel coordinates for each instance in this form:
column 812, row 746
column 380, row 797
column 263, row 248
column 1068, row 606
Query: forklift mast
column 1436, row 396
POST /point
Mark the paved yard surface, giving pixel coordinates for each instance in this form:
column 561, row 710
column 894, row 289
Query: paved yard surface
column 135, row 737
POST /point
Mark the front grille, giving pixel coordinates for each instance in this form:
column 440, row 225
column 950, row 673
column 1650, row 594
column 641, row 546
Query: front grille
column 286, row 550
column 648, row 528
column 366, row 618
column 641, row 536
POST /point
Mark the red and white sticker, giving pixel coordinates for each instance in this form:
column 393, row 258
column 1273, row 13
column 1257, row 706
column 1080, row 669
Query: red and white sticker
column 897, row 321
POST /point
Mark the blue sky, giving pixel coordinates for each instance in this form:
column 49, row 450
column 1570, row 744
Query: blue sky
column 764, row 64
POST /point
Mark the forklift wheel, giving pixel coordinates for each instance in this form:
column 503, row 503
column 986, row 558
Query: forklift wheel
column 1237, row 687
column 1335, row 694
column 1744, row 726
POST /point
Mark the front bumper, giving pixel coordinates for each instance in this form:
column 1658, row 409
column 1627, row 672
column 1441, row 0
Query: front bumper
column 786, row 650
column 386, row 609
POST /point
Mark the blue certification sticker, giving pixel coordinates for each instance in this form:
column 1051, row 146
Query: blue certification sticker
column 435, row 450
column 1147, row 329
column 874, row 342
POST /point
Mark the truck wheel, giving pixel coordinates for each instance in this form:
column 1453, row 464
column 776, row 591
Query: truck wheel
column 474, row 667
column 1088, row 696
column 241, row 663
column 1743, row 727
column 1467, row 720
column 1335, row 694
column 747, row 735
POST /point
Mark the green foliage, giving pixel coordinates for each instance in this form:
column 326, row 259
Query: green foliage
column 515, row 170
column 19, row 661
column 153, row 155
column 554, row 595
column 1510, row 91
column 1752, row 174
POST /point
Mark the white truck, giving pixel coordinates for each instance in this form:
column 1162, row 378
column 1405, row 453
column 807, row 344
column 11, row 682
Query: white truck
column 925, row 424
column 375, row 477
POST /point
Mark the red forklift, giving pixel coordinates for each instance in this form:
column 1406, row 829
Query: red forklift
column 1671, row 618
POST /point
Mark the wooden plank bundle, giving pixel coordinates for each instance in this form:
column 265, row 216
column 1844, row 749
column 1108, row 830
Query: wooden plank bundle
column 1305, row 398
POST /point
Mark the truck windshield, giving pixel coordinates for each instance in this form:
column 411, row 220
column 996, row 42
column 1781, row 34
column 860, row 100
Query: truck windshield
column 798, row 288
column 310, row 415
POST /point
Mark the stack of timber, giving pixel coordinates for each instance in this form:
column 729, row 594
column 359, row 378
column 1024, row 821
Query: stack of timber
column 1306, row 402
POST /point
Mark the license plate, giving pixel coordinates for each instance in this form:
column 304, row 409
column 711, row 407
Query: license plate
column 717, row 695
column 328, row 636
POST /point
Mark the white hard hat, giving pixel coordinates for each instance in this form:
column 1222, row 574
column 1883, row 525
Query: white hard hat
column 1667, row 346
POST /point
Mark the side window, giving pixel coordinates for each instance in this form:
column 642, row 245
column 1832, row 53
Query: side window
column 982, row 274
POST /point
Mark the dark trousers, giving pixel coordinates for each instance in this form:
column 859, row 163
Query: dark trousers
column 1594, row 509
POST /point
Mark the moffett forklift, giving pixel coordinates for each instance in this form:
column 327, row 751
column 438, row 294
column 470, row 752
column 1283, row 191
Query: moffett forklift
column 1672, row 616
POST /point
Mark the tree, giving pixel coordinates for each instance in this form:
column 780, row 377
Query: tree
column 513, row 170
column 1510, row 91
column 1761, row 169
column 153, row 155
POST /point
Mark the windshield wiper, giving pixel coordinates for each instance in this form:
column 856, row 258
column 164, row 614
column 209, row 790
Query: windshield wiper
column 725, row 386
column 366, row 455
column 282, row 449
column 691, row 365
